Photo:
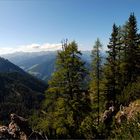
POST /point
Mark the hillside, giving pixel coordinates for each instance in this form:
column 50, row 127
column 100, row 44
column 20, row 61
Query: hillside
column 7, row 66
column 20, row 94
column 39, row 64
column 43, row 70
column 19, row 91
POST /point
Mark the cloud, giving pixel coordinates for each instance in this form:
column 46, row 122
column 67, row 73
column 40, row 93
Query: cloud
column 31, row 48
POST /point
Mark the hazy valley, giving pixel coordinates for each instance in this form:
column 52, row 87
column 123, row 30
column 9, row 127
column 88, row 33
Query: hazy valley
column 40, row 64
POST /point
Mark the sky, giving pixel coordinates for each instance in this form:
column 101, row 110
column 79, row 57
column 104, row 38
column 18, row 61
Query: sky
column 36, row 25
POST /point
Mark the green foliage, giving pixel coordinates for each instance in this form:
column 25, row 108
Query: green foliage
column 96, row 74
column 130, row 93
column 132, row 49
column 112, row 66
column 122, row 66
column 129, row 130
column 88, row 129
column 19, row 93
column 67, row 102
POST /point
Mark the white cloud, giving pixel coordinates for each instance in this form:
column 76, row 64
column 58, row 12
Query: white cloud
column 31, row 48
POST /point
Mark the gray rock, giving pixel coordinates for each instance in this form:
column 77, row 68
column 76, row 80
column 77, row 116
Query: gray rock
column 19, row 129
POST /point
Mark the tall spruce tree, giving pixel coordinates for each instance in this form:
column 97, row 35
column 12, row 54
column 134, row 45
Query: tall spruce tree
column 111, row 66
column 96, row 75
column 67, row 101
column 130, row 57
column 132, row 50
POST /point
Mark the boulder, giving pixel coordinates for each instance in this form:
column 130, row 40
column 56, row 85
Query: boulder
column 4, row 133
column 19, row 128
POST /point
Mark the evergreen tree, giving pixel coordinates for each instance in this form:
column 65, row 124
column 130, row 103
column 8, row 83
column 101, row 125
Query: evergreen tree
column 123, row 63
column 96, row 74
column 67, row 101
column 111, row 66
column 132, row 50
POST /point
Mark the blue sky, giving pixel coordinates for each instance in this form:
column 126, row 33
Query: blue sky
column 25, row 22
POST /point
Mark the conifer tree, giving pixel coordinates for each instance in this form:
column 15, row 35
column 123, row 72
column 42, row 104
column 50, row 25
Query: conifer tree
column 130, row 53
column 111, row 66
column 132, row 50
column 96, row 74
column 123, row 70
column 67, row 101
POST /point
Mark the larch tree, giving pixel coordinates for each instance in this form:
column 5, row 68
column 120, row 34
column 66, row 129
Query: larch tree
column 67, row 102
column 96, row 75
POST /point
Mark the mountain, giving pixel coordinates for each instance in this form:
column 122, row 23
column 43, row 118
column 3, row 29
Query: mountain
column 7, row 66
column 19, row 91
column 41, row 64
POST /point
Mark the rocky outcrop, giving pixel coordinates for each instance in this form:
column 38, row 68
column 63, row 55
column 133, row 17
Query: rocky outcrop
column 19, row 129
column 128, row 113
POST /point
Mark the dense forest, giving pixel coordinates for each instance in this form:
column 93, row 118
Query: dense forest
column 21, row 94
column 100, row 102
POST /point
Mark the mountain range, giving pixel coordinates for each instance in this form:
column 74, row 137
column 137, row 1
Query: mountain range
column 40, row 64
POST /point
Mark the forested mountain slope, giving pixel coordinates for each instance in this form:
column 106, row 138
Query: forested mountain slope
column 19, row 91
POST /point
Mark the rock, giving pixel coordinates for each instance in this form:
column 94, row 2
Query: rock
column 19, row 129
column 4, row 133
column 14, row 129
column 122, row 119
column 128, row 113
column 107, row 116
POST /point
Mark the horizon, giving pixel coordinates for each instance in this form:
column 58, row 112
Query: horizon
column 34, row 26
column 37, row 52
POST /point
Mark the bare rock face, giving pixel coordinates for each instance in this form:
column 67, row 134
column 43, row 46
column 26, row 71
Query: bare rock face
column 19, row 129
